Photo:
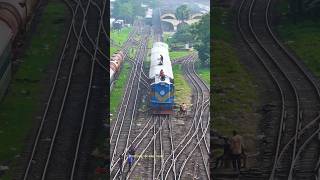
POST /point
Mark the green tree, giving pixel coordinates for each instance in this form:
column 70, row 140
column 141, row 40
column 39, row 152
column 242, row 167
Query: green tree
column 183, row 13
column 128, row 10
column 201, row 37
column 137, row 9
column 183, row 34
column 302, row 9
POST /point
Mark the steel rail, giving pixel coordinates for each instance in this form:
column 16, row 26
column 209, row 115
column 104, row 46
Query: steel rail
column 123, row 116
column 130, row 80
column 140, row 56
column 145, row 82
column 281, row 69
column 63, row 102
column 194, row 134
column 184, row 139
column 137, row 145
column 144, row 136
column 197, row 81
column 199, row 91
column 84, row 115
column 197, row 145
column 161, row 146
column 82, row 44
column 135, row 69
column 266, row 67
column 144, row 150
column 48, row 104
column 137, row 93
column 172, row 150
column 295, row 138
column 194, row 120
column 293, row 59
column 87, row 33
column 154, row 151
column 291, row 83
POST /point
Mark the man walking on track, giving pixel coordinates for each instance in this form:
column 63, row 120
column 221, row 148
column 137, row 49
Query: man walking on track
column 132, row 152
column 236, row 145
column 130, row 161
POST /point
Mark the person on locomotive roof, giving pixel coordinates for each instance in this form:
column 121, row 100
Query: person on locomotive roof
column 162, row 76
column 161, row 60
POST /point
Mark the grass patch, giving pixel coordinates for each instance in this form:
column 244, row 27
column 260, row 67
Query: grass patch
column 182, row 88
column 118, row 89
column 233, row 90
column 119, row 37
column 204, row 74
column 304, row 38
column 113, row 50
column 178, row 54
column 221, row 24
column 19, row 106
column 232, row 95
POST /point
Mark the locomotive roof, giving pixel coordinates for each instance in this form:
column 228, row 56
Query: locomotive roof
column 157, row 49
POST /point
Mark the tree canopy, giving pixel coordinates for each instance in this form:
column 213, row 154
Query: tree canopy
column 183, row 34
column 304, row 8
column 183, row 12
column 128, row 10
column 201, row 37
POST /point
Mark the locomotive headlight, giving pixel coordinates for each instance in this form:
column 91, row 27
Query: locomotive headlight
column 162, row 92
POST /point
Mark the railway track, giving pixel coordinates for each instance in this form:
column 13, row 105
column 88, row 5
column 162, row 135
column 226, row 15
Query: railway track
column 202, row 94
column 201, row 91
column 173, row 164
column 155, row 144
column 157, row 155
column 122, row 126
column 152, row 149
column 295, row 142
column 59, row 139
column 126, row 46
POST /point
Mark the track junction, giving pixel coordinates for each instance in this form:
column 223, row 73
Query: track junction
column 61, row 145
column 291, row 150
column 167, row 147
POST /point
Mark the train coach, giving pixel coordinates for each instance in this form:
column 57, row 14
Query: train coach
column 162, row 80
column 115, row 63
column 13, row 17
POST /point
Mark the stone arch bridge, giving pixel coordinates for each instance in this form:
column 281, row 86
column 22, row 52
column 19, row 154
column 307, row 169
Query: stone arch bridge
column 170, row 22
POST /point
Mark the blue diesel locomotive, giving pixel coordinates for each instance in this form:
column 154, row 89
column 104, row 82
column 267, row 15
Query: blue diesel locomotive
column 162, row 84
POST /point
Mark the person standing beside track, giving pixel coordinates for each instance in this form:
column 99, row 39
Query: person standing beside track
column 236, row 146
